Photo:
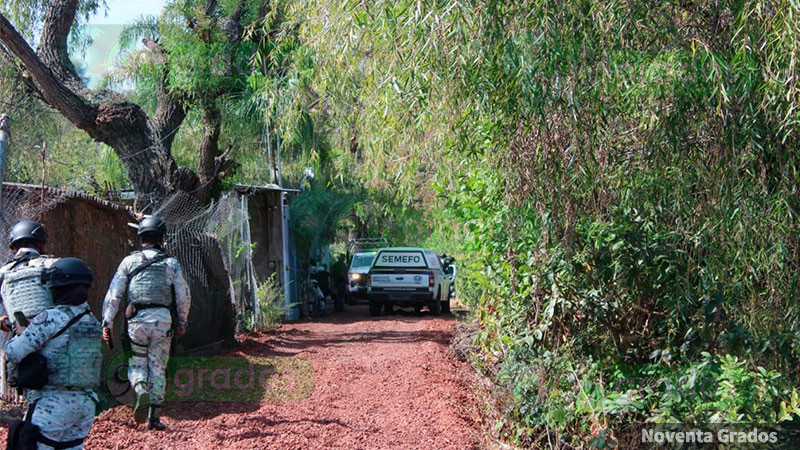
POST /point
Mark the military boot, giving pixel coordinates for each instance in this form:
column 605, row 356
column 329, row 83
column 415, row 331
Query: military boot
column 140, row 407
column 153, row 420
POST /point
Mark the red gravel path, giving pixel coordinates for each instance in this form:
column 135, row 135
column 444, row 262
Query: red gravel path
column 389, row 382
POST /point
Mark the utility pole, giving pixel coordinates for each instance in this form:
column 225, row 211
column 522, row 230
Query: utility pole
column 5, row 135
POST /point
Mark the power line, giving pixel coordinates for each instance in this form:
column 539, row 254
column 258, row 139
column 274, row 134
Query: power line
column 160, row 141
column 18, row 108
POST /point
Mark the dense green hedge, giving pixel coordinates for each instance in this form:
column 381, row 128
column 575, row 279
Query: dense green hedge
column 646, row 268
column 623, row 178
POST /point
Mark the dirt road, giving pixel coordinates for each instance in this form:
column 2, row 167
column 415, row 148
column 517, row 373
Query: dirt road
column 389, row 382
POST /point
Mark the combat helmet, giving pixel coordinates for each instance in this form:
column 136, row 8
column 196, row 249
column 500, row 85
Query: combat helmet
column 152, row 226
column 67, row 272
column 29, row 230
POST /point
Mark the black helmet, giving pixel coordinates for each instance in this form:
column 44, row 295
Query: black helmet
column 67, row 272
column 152, row 225
column 27, row 230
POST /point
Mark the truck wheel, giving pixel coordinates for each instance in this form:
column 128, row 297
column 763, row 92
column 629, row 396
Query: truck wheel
column 374, row 309
column 436, row 307
column 388, row 308
column 418, row 309
column 446, row 304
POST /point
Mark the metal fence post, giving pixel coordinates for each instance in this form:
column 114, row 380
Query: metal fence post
column 5, row 134
column 7, row 393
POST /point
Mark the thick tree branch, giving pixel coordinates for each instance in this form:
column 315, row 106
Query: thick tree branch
column 124, row 126
column 230, row 25
column 170, row 111
column 259, row 35
column 73, row 107
column 237, row 14
column 52, row 51
column 224, row 161
column 210, row 8
column 262, row 10
column 142, row 143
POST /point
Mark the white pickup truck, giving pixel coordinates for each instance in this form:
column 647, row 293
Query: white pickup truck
column 407, row 277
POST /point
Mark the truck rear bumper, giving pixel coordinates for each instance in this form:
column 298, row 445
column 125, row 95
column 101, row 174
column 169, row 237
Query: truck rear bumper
column 401, row 298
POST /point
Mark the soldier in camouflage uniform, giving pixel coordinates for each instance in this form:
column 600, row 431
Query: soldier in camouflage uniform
column 69, row 337
column 152, row 281
column 27, row 240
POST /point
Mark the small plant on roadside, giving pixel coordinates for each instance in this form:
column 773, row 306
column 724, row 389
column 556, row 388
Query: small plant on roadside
column 270, row 303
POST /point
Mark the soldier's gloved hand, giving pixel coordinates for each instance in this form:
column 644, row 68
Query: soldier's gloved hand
column 5, row 324
column 180, row 331
column 107, row 333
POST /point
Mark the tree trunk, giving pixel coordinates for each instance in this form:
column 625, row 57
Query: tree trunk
column 209, row 147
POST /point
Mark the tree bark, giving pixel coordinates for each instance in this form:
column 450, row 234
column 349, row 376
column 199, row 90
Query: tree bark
column 142, row 143
column 53, row 50
column 209, row 147
column 73, row 107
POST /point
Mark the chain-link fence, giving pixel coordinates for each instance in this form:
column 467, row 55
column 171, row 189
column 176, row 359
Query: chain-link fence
column 78, row 225
column 214, row 247
column 212, row 242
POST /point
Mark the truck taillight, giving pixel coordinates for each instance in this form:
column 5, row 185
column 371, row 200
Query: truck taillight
column 369, row 280
column 431, row 280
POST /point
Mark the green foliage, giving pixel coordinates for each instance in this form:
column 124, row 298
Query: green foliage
column 620, row 175
column 618, row 181
column 203, row 61
column 271, row 303
column 72, row 159
column 315, row 215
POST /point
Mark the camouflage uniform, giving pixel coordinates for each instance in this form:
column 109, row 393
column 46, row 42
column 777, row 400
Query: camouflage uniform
column 35, row 259
column 150, row 329
column 62, row 413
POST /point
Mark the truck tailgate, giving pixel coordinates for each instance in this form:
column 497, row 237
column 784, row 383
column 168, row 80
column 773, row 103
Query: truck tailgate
column 400, row 281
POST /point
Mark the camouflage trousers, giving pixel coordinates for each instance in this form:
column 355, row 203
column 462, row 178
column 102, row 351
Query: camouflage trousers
column 63, row 415
column 147, row 368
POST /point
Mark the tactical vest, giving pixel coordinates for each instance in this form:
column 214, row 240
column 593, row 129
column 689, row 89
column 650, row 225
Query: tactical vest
column 78, row 364
column 22, row 290
column 150, row 286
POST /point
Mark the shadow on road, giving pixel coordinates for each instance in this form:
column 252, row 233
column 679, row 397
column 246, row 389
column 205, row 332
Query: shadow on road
column 207, row 410
column 360, row 313
column 340, row 339
column 334, row 331
column 264, row 424
column 290, row 341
